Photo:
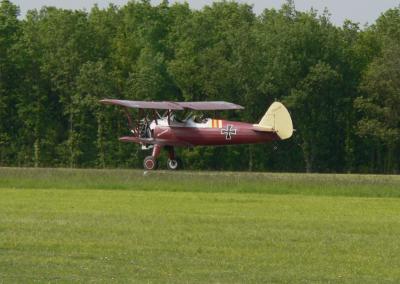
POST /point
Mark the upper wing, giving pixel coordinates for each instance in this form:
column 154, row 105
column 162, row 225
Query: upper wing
column 174, row 105
column 210, row 105
column 143, row 104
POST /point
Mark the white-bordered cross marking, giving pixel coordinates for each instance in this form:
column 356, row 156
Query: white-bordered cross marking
column 228, row 132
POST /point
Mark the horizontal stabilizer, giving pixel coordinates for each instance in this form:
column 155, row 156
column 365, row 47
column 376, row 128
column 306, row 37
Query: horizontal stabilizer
column 267, row 128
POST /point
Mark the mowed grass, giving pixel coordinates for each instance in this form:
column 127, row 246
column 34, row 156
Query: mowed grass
column 213, row 182
column 59, row 225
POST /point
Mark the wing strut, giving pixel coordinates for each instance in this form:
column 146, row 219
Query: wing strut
column 155, row 116
column 130, row 123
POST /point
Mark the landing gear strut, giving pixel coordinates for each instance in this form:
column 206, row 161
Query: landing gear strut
column 173, row 163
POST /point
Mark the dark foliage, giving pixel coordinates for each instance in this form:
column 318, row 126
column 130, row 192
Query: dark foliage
column 340, row 83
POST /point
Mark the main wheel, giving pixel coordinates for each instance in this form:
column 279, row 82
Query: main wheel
column 149, row 163
column 173, row 164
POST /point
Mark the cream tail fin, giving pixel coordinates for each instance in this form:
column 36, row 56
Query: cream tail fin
column 276, row 119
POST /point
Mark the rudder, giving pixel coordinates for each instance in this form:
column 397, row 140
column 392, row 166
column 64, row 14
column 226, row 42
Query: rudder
column 276, row 119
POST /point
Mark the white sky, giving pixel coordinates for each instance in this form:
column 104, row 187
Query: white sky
column 362, row 11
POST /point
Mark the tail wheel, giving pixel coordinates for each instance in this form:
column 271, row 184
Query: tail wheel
column 150, row 163
column 173, row 164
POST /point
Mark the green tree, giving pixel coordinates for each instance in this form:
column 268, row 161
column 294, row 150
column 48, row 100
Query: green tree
column 10, row 29
column 380, row 104
column 315, row 107
column 340, row 83
column 65, row 42
column 92, row 123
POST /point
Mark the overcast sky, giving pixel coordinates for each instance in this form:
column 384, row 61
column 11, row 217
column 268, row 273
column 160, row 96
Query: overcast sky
column 362, row 11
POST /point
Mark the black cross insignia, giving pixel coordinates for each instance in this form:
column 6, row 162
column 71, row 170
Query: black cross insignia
column 229, row 131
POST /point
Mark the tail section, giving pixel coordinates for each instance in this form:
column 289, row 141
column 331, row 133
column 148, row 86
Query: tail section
column 276, row 119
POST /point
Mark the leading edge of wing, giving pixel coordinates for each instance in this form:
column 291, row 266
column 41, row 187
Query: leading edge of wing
column 215, row 105
column 143, row 104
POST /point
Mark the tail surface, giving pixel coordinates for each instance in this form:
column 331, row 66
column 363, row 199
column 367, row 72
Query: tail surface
column 276, row 119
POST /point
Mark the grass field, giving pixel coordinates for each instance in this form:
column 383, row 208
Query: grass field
column 59, row 225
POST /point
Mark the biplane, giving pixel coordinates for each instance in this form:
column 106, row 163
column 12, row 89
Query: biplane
column 159, row 126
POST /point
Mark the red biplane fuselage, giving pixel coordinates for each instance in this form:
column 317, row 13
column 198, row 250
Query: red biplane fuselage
column 168, row 132
column 226, row 133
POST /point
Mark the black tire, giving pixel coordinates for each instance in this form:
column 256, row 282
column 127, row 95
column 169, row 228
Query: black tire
column 149, row 163
column 173, row 165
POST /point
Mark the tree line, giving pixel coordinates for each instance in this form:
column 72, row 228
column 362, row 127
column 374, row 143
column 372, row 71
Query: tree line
column 341, row 84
